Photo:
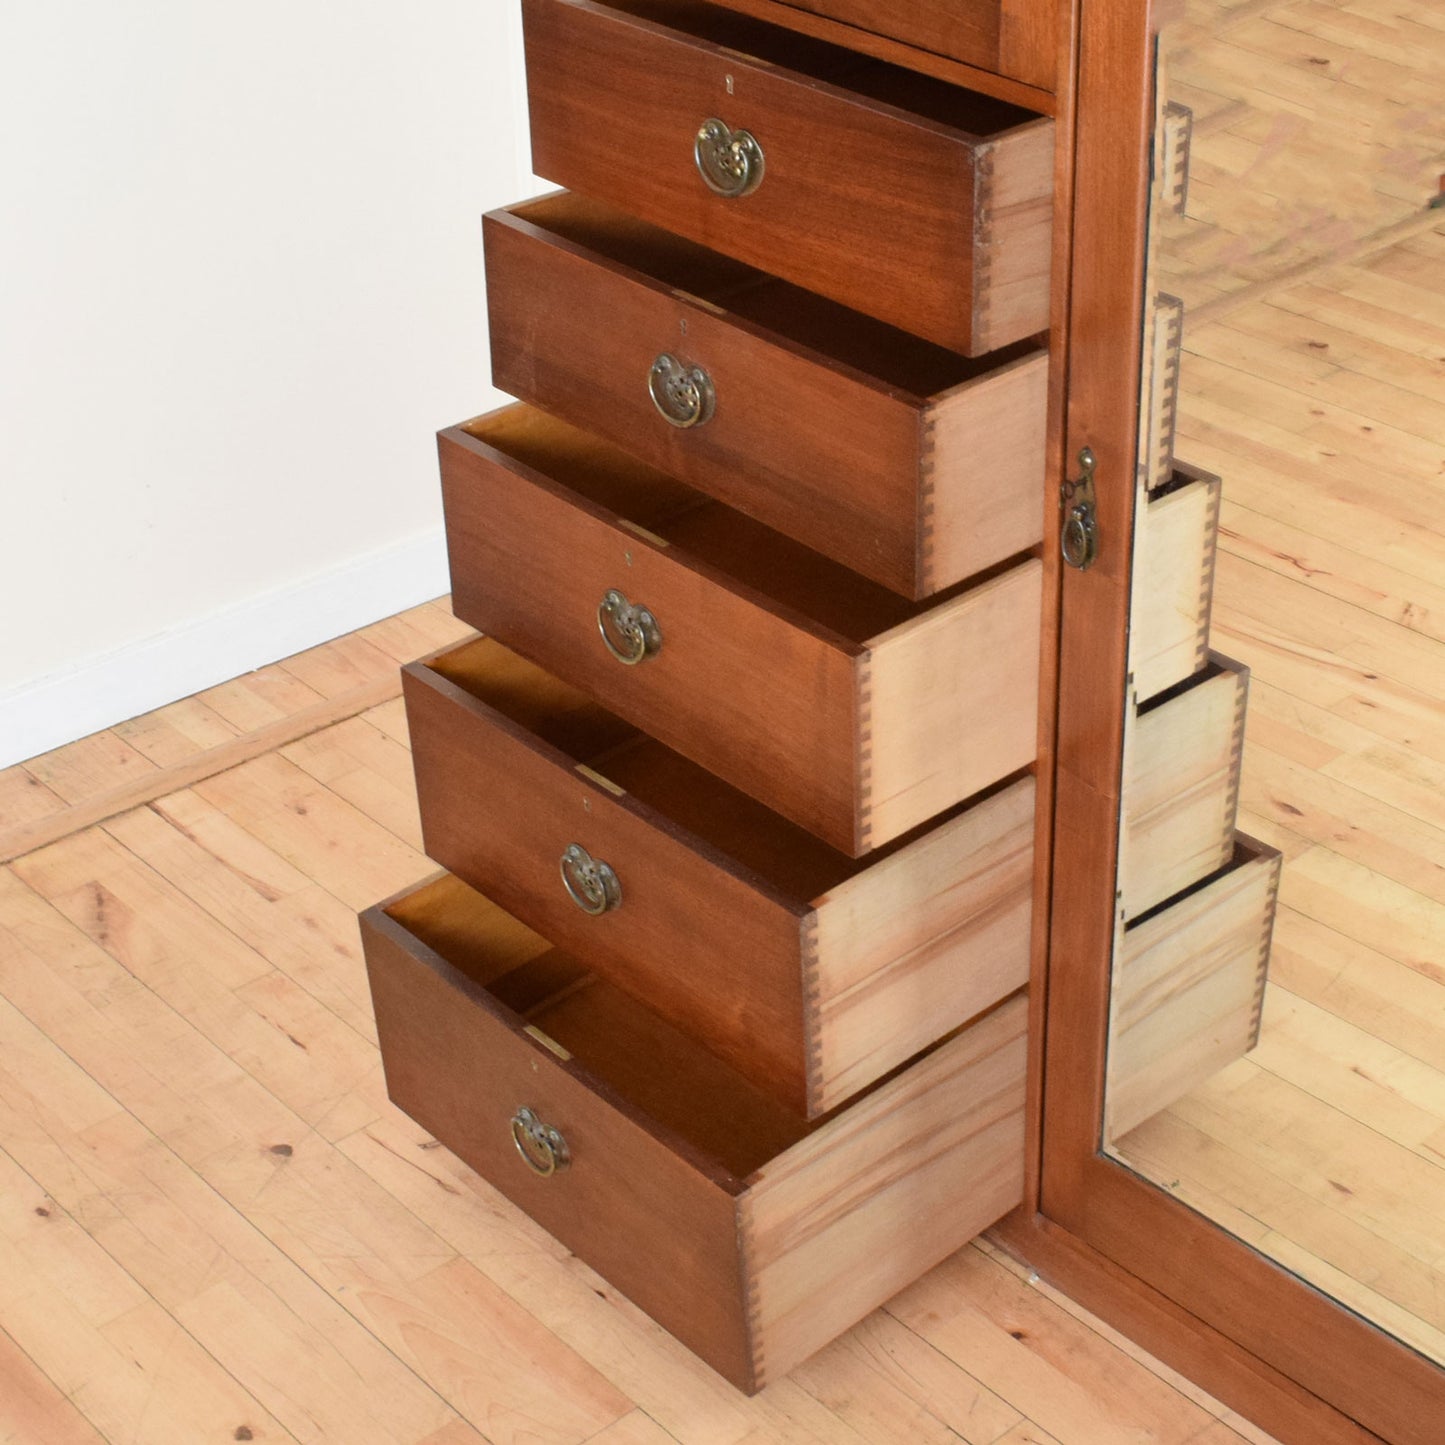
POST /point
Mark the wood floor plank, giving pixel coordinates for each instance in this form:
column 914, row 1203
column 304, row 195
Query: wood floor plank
column 1046, row 1364
column 1387, row 1000
column 315, row 830
column 24, row 799
column 450, row 1339
column 894, row 1388
column 344, row 665
column 33, row 1411
column 113, row 1351
column 305, row 932
column 148, row 783
column 91, row 766
column 258, row 699
column 177, row 732
column 637, row 1428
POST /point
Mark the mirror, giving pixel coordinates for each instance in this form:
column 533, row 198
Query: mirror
column 1277, row 1033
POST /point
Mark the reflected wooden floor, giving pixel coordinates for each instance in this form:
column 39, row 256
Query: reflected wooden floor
column 1322, row 405
column 214, row 1226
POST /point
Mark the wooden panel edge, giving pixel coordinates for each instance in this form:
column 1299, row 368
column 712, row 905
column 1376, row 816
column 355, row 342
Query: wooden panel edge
column 1179, row 1339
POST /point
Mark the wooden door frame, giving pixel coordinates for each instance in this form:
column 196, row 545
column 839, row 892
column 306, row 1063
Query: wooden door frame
column 1283, row 1353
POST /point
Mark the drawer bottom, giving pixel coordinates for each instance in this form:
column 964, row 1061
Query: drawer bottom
column 751, row 1234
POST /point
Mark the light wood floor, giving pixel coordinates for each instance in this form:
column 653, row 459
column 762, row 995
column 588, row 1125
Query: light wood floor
column 1320, row 398
column 214, row 1227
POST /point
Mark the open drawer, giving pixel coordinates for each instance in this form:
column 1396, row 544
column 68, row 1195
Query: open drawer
column 1182, row 759
column 750, row 1235
column 910, row 464
column 1188, row 988
column 847, row 709
column 810, row 973
column 1176, row 535
column 919, row 203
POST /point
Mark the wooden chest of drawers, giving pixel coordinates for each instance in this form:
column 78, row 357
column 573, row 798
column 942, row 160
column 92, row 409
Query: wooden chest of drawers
column 725, row 982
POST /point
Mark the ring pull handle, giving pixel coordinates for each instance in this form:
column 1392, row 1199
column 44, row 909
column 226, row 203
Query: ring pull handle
column 540, row 1145
column 630, row 632
column 730, row 161
column 590, row 883
column 683, row 394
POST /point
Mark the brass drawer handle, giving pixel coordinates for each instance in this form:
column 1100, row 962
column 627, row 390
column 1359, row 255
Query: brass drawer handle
column 630, row 632
column 540, row 1145
column 590, row 883
column 730, row 161
column 683, row 394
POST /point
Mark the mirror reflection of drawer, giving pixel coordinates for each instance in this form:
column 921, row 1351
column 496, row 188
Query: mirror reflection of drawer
column 1182, row 761
column 1188, row 988
column 751, row 1235
column 916, row 202
column 910, row 464
column 1176, row 535
column 838, row 704
column 987, row 33
column 811, row 974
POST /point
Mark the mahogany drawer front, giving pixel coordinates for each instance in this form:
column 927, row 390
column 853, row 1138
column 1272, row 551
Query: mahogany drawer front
column 853, row 712
column 909, row 464
column 1182, row 764
column 750, row 1235
column 808, row 972
column 1188, row 988
column 915, row 202
column 1175, row 540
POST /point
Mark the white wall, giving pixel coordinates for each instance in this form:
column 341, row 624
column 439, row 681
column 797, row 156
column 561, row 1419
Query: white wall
column 241, row 286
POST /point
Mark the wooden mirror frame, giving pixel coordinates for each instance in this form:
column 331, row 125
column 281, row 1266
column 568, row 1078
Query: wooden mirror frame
column 1281, row 1352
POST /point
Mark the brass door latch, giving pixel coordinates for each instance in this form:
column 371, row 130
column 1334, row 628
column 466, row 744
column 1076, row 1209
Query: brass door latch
column 1080, row 540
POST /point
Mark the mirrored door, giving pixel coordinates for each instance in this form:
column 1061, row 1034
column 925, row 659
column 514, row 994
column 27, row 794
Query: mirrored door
column 1240, row 1082
column 1276, row 1052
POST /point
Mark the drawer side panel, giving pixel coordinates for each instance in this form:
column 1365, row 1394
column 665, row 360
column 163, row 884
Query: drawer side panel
column 924, row 941
column 844, row 1220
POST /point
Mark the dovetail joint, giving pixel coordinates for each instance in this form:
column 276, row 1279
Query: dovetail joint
column 927, row 559
column 812, row 1013
column 752, row 1305
column 1206, row 577
column 865, row 754
column 1266, row 940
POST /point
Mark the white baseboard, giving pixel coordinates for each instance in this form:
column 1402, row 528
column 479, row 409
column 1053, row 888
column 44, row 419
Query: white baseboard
column 104, row 690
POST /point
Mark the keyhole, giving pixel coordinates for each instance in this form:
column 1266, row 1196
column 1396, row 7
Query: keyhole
column 730, row 85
